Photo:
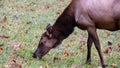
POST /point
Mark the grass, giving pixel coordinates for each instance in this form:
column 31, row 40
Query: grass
column 26, row 21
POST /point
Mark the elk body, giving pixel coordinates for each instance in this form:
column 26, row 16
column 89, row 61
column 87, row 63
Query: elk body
column 87, row 15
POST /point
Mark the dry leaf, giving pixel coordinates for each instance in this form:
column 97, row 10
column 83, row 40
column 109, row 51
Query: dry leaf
column 74, row 66
column 81, row 49
column 26, row 31
column 108, row 34
column 18, row 46
column 108, row 51
column 14, row 64
column 56, row 58
column 65, row 54
column 4, row 19
column 109, row 43
column 67, row 46
column 1, row 45
column 118, row 47
column 12, row 57
column 82, row 40
column 46, row 66
column 42, row 9
column 58, row 12
column 4, row 36
column 114, row 65
column 47, row 6
column 75, row 33
column 29, row 22
column 32, row 9
column 1, row 50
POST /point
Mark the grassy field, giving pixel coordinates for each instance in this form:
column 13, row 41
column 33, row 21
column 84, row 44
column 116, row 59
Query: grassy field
column 23, row 21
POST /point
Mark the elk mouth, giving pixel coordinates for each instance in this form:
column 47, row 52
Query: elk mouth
column 37, row 56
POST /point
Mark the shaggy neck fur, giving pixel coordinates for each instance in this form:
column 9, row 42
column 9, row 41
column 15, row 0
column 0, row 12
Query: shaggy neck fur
column 65, row 24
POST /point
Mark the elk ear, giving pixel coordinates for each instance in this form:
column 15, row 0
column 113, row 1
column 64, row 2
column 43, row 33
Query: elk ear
column 49, row 30
column 48, row 26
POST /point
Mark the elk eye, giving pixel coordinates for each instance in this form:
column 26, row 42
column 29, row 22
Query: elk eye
column 41, row 43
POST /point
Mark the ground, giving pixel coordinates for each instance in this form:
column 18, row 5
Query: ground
column 23, row 21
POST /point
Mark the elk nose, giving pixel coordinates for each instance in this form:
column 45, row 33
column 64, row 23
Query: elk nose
column 37, row 56
column 34, row 55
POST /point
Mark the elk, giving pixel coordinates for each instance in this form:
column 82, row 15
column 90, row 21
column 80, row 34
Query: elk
column 88, row 15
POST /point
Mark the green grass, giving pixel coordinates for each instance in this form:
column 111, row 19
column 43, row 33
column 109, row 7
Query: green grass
column 26, row 21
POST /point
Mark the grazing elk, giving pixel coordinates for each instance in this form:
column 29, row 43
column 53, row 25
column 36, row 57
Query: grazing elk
column 86, row 15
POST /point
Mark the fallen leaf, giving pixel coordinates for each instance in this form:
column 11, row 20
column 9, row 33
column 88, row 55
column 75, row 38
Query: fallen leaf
column 1, row 49
column 1, row 4
column 109, row 43
column 82, row 40
column 81, row 49
column 15, row 52
column 118, row 47
column 1, row 45
column 108, row 34
column 56, row 58
column 67, row 46
column 65, row 54
column 4, row 19
column 72, row 40
column 58, row 12
column 26, row 31
column 17, row 46
column 108, row 51
column 12, row 57
column 74, row 66
column 14, row 64
column 4, row 36
column 114, row 65
column 47, row 6
column 32, row 9
column 29, row 22
column 42, row 9
column 75, row 33
column 46, row 66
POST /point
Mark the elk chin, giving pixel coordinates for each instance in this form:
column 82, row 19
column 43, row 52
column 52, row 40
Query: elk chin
column 39, row 53
column 37, row 56
column 34, row 55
